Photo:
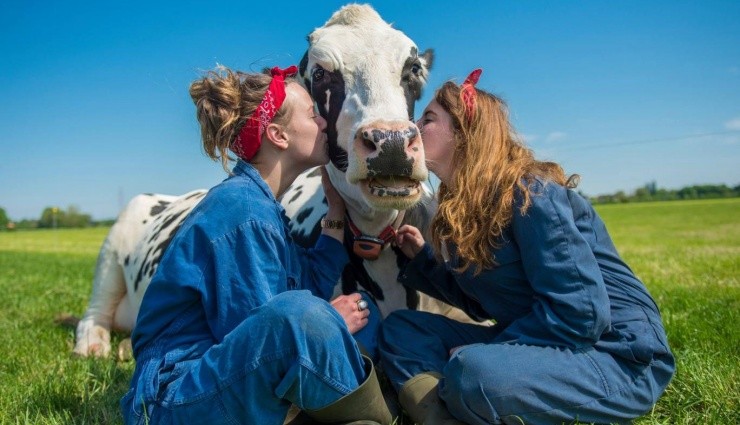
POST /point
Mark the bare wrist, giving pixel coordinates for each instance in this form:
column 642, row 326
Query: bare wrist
column 334, row 214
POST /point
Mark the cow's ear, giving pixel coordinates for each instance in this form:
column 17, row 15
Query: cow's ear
column 302, row 72
column 428, row 58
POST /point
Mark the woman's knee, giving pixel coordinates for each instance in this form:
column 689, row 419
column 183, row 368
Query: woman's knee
column 477, row 382
column 301, row 313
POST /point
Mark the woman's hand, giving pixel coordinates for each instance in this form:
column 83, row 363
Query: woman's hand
column 333, row 199
column 347, row 307
column 409, row 240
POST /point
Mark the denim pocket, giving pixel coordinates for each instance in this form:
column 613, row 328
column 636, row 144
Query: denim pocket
column 633, row 337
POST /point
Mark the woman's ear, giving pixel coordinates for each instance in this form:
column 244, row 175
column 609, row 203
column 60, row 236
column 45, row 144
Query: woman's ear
column 277, row 135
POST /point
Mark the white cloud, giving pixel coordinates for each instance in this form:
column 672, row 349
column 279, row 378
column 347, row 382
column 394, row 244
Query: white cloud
column 733, row 124
column 555, row 136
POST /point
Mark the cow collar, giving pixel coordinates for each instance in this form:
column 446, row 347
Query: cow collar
column 369, row 247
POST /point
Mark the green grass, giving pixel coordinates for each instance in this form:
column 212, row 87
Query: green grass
column 42, row 274
column 687, row 253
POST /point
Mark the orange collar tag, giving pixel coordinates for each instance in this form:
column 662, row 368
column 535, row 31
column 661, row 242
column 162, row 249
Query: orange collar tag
column 368, row 247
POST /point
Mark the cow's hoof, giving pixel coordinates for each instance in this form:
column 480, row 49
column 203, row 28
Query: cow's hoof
column 92, row 340
column 92, row 350
column 125, row 350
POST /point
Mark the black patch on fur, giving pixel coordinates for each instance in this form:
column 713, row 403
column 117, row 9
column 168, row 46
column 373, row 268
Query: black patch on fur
column 154, row 254
column 412, row 297
column 157, row 209
column 303, row 215
column 392, row 159
column 310, row 240
column 333, row 82
column 302, row 72
column 196, row 195
column 296, row 196
column 140, row 273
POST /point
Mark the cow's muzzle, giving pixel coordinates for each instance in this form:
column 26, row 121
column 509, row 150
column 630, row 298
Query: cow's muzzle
column 390, row 165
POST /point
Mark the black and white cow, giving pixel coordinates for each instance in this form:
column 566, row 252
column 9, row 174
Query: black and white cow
column 364, row 76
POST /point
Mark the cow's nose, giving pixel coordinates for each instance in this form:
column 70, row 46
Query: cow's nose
column 384, row 137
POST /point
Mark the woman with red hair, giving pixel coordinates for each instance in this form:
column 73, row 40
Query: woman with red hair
column 577, row 336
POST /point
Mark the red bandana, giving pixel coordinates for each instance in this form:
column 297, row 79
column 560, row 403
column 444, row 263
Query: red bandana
column 249, row 139
column 467, row 93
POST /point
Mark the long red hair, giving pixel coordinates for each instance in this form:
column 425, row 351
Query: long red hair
column 490, row 164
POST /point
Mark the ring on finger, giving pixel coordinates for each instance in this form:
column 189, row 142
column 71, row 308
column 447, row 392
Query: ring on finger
column 361, row 304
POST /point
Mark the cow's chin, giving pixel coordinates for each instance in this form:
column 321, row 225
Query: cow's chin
column 389, row 193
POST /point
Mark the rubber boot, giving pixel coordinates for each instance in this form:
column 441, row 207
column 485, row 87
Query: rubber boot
column 363, row 406
column 419, row 399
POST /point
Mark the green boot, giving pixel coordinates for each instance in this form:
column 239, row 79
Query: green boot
column 419, row 399
column 363, row 406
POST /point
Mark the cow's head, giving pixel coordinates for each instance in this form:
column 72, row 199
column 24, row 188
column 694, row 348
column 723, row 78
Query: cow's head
column 365, row 76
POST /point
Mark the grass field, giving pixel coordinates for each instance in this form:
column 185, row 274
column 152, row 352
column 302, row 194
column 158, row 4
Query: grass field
column 687, row 253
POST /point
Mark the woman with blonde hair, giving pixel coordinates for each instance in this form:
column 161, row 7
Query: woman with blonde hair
column 577, row 336
column 236, row 325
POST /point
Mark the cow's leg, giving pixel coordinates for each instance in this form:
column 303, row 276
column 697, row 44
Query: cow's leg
column 125, row 316
column 93, row 331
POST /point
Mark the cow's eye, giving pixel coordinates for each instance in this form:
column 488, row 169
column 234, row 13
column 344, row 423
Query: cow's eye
column 318, row 74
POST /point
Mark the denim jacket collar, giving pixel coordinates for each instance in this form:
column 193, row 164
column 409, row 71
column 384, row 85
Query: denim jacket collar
column 243, row 168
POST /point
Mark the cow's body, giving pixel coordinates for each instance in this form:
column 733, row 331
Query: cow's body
column 377, row 165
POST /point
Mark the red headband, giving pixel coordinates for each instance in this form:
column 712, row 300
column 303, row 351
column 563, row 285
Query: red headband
column 249, row 139
column 467, row 92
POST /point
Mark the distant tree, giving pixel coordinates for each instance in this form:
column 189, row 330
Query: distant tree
column 642, row 194
column 651, row 192
column 621, row 197
column 55, row 217
column 27, row 224
column 3, row 219
column 665, row 195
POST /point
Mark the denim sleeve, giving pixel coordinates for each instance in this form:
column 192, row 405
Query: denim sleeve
column 322, row 265
column 570, row 306
column 424, row 273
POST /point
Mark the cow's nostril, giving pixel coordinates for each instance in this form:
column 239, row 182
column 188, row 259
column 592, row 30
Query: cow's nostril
column 369, row 145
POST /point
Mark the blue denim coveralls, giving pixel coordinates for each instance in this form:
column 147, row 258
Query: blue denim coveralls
column 577, row 335
column 235, row 325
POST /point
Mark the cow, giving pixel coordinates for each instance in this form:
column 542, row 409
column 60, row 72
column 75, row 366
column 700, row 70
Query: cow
column 364, row 77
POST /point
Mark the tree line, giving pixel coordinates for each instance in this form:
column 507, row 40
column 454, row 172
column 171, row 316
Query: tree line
column 53, row 217
column 651, row 192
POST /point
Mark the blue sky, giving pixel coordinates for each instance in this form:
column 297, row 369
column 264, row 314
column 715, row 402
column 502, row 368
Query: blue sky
column 95, row 106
